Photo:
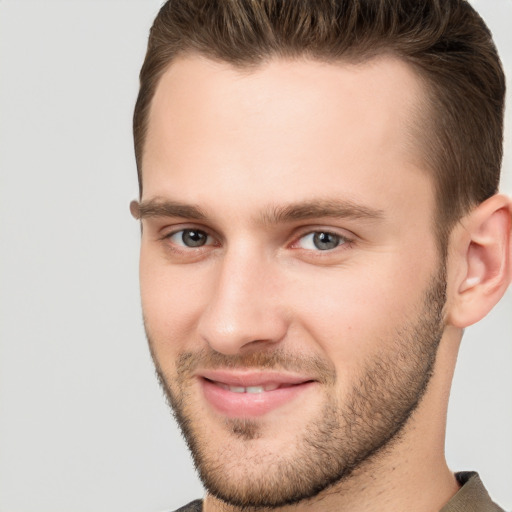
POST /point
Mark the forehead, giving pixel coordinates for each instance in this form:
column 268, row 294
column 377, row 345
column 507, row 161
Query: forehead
column 286, row 130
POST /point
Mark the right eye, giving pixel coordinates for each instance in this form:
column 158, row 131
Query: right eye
column 190, row 238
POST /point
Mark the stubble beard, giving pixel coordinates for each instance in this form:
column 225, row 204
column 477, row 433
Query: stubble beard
column 343, row 438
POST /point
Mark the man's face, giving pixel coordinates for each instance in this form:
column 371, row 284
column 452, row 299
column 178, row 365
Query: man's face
column 291, row 286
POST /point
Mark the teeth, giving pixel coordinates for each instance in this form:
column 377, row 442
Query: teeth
column 248, row 389
column 236, row 389
column 254, row 389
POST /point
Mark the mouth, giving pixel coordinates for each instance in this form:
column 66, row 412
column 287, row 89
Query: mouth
column 252, row 389
column 244, row 394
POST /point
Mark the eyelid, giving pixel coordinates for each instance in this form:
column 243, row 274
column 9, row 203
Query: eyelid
column 170, row 231
column 176, row 239
column 347, row 237
column 309, row 242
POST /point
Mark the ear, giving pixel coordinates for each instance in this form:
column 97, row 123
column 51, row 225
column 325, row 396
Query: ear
column 479, row 261
column 135, row 210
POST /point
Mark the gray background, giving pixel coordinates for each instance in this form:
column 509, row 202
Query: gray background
column 83, row 425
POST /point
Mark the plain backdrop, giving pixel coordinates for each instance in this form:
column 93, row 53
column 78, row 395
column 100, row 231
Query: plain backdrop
column 83, row 424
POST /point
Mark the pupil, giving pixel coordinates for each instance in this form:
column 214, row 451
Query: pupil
column 193, row 238
column 325, row 241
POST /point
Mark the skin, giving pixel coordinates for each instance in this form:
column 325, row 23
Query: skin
column 240, row 146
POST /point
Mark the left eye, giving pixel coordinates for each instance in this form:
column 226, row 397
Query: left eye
column 190, row 238
column 321, row 241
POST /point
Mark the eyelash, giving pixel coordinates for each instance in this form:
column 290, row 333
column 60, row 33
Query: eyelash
column 183, row 250
column 344, row 241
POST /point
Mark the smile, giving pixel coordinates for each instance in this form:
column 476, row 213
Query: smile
column 252, row 389
column 238, row 395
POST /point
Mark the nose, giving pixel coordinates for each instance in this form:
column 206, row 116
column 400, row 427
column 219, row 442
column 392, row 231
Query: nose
column 243, row 308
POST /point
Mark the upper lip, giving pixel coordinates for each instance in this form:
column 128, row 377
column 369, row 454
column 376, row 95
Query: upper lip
column 245, row 378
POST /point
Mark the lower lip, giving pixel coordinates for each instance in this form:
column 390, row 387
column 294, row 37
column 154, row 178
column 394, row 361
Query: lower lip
column 237, row 405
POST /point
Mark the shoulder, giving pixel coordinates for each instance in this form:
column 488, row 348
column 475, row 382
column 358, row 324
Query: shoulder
column 472, row 496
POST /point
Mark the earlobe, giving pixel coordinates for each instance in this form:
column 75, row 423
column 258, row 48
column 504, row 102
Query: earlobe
column 481, row 263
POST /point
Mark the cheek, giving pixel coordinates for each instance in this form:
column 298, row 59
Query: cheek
column 172, row 301
column 352, row 315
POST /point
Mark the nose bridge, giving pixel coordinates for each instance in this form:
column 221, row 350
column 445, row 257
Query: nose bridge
column 243, row 306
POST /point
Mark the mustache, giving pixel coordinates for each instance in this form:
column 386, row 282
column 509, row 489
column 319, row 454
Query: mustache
column 188, row 363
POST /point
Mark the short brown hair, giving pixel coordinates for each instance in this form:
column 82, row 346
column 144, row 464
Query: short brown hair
column 445, row 41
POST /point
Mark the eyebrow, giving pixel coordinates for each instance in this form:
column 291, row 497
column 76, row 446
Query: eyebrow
column 342, row 209
column 322, row 208
column 165, row 208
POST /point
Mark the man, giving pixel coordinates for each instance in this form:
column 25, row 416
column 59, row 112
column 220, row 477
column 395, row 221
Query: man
column 320, row 222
